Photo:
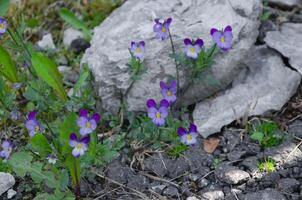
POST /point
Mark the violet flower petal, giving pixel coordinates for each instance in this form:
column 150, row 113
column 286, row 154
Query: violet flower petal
column 164, row 103
column 181, row 131
column 83, row 113
column 151, row 103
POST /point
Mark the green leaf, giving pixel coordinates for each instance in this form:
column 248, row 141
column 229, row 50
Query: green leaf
column 7, row 66
column 20, row 162
column 73, row 164
column 58, row 195
column 83, row 77
column 71, row 19
column 257, row 136
column 66, row 128
column 40, row 144
column 64, row 179
column 4, row 5
column 47, row 70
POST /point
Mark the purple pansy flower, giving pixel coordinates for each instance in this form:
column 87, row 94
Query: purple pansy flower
column 169, row 91
column 79, row 146
column 158, row 115
column 6, row 150
column 188, row 137
column 162, row 28
column 193, row 48
column 87, row 124
column 138, row 49
column 224, row 38
column 32, row 125
column 3, row 26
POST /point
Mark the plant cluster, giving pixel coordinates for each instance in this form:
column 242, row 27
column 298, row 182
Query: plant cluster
column 267, row 165
column 267, row 134
column 61, row 129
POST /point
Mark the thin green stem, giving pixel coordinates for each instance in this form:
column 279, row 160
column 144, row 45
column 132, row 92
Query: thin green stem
column 77, row 184
column 176, row 65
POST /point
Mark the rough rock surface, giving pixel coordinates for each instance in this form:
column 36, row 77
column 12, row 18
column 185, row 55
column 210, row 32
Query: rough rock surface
column 267, row 85
column 288, row 41
column 267, row 194
column 133, row 21
column 6, row 182
column 231, row 175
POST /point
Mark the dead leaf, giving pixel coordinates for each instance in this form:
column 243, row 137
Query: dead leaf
column 210, row 145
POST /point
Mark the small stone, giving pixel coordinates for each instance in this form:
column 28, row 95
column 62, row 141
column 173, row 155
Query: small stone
column 296, row 128
column 214, row 195
column 159, row 188
column 232, row 139
column 177, row 167
column 46, row 43
column 157, row 165
column 267, row 194
column 11, row 193
column 235, row 155
column 194, row 177
column 289, row 185
column 137, row 181
column 270, row 180
column 70, row 35
column 6, row 182
column 192, row 198
column 185, row 189
column 62, row 61
column 203, row 183
column 171, row 191
column 231, row 175
column 79, row 45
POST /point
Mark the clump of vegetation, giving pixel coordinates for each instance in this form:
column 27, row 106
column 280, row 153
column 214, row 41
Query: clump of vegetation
column 267, row 165
column 62, row 130
column 267, row 134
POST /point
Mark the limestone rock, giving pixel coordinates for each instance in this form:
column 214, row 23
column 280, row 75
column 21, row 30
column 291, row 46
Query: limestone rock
column 267, row 85
column 288, row 41
column 6, row 182
column 133, row 21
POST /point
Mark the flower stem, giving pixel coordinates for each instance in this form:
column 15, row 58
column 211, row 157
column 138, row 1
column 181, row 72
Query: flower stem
column 194, row 73
column 77, row 181
column 176, row 65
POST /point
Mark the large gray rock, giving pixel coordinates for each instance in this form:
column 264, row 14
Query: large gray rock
column 6, row 182
column 267, row 85
column 133, row 21
column 288, row 41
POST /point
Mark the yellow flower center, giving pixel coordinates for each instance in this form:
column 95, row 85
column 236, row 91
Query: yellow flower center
column 222, row 39
column 79, row 146
column 88, row 125
column 189, row 137
column 1, row 26
column 169, row 93
column 192, row 49
column 163, row 29
column 37, row 128
column 138, row 50
column 157, row 115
